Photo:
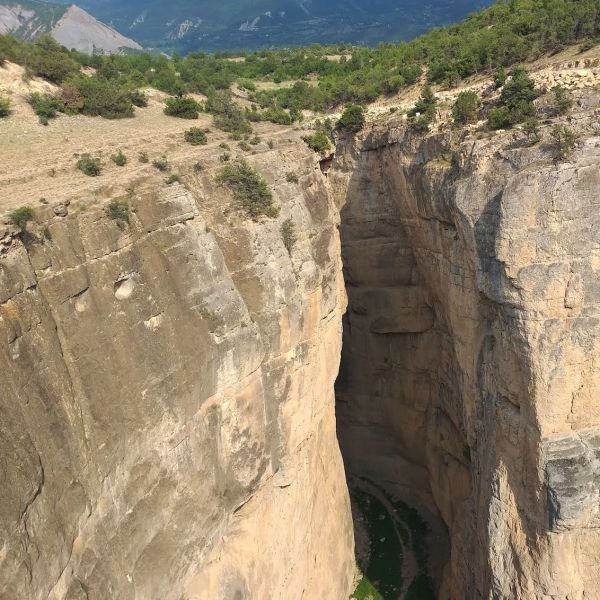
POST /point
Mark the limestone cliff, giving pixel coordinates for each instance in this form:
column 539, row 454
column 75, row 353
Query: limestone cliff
column 469, row 380
column 167, row 397
column 167, row 405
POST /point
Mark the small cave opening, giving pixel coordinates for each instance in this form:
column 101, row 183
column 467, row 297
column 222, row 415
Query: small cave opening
column 385, row 402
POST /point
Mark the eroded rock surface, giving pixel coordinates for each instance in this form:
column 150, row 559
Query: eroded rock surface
column 167, row 413
column 469, row 376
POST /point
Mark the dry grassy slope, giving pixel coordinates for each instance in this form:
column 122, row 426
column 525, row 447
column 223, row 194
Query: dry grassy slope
column 39, row 162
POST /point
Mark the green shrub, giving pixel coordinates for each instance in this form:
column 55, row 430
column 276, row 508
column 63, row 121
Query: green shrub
column 138, row 98
column 219, row 102
column 276, row 115
column 291, row 177
column 250, row 190
column 422, row 114
column 233, row 122
column 565, row 140
column 225, row 146
column 563, row 101
column 516, row 100
column 255, row 140
column 118, row 209
column 499, row 77
column 45, row 106
column 21, row 216
column 4, row 107
column 102, row 98
column 587, row 44
column 247, row 84
column 227, row 115
column 352, row 119
column 48, row 59
column 420, row 123
column 499, row 118
column 173, row 178
column 318, row 141
column 183, row 107
column 195, row 136
column 288, row 234
column 531, row 128
column 119, row 159
column 92, row 167
column 225, row 157
column 161, row 164
column 244, row 146
column 466, row 108
column 71, row 98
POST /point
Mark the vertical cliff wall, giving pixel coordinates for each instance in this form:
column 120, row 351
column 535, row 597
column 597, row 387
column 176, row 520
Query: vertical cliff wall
column 469, row 375
column 167, row 413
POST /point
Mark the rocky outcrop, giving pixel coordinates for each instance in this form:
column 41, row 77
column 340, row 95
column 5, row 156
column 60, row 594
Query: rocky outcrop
column 167, row 398
column 78, row 29
column 469, row 375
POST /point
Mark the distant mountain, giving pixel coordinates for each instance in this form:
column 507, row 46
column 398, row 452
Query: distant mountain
column 69, row 25
column 232, row 24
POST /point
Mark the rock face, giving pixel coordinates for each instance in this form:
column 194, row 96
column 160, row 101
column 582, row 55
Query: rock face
column 78, row 29
column 469, row 376
column 167, row 426
column 167, row 402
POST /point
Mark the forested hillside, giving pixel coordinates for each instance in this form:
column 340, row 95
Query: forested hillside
column 189, row 25
column 323, row 77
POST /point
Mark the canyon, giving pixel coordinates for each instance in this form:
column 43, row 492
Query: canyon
column 468, row 373
column 170, row 425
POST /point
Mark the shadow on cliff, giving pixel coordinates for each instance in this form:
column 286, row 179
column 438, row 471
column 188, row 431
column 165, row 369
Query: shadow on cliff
column 512, row 518
column 401, row 418
column 381, row 423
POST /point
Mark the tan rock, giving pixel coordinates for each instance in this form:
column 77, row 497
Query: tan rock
column 489, row 416
column 167, row 401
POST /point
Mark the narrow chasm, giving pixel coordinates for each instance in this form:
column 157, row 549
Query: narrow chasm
column 404, row 453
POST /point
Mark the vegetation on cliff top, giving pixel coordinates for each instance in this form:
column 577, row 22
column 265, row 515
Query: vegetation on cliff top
column 501, row 35
column 21, row 216
column 249, row 189
column 352, row 119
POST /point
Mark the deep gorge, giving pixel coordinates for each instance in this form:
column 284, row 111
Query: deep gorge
column 454, row 286
column 168, row 385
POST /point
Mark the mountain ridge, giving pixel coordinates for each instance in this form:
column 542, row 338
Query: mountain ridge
column 70, row 25
column 243, row 24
